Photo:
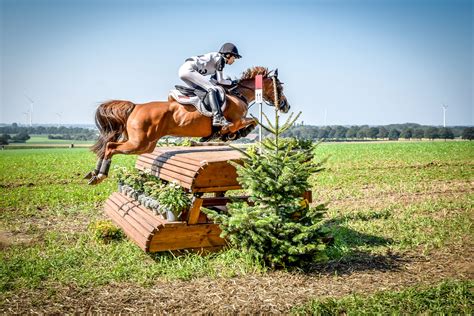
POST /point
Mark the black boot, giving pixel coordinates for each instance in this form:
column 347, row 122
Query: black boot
column 218, row 119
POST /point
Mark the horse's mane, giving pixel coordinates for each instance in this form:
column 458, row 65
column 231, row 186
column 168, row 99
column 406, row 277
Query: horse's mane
column 254, row 71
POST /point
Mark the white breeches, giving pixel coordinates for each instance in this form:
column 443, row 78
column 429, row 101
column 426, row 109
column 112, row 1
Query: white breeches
column 193, row 78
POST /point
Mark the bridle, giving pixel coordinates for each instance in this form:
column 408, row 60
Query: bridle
column 276, row 92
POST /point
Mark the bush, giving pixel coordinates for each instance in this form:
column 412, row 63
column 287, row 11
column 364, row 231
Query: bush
column 20, row 137
column 277, row 226
column 4, row 139
column 105, row 231
column 468, row 133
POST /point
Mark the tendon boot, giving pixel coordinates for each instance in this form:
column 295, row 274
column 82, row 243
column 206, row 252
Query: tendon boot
column 217, row 118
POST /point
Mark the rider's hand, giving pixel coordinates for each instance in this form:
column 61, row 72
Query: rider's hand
column 234, row 82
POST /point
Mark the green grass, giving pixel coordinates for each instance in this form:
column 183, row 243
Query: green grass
column 80, row 260
column 449, row 297
column 382, row 197
column 44, row 198
column 42, row 141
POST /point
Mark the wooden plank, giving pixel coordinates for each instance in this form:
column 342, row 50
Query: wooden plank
column 181, row 164
column 185, row 185
column 175, row 157
column 179, row 155
column 159, row 161
column 130, row 208
column 169, row 160
column 151, row 217
column 216, row 175
column 162, row 172
column 216, row 189
column 126, row 212
column 184, row 237
column 130, row 231
column 189, row 154
column 308, row 195
column 146, row 214
column 211, row 158
column 131, row 218
column 195, row 211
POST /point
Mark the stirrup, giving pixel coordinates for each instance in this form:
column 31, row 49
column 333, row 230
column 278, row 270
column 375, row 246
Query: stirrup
column 220, row 121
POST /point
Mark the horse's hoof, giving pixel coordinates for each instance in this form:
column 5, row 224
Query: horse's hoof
column 97, row 179
column 93, row 181
column 232, row 137
column 89, row 175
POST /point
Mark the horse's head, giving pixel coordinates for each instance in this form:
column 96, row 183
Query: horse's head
column 273, row 89
column 272, row 86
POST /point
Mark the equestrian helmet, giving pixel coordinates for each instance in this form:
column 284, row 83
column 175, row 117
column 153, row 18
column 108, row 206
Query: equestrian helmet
column 229, row 48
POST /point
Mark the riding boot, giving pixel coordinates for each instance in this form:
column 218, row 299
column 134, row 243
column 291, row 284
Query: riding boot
column 218, row 119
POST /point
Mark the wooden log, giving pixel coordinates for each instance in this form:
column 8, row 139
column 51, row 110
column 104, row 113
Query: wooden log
column 142, row 241
column 187, row 236
column 204, row 169
column 132, row 219
column 146, row 159
column 144, row 213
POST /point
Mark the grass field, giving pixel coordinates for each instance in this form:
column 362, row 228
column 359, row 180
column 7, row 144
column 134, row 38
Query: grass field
column 41, row 141
column 401, row 215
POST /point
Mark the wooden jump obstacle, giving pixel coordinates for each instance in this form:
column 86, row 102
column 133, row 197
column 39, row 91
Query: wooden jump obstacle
column 199, row 170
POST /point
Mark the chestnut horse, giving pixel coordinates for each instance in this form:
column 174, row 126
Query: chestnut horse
column 128, row 128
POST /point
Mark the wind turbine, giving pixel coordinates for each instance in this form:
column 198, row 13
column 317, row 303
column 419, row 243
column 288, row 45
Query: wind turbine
column 27, row 115
column 31, row 108
column 59, row 118
column 445, row 107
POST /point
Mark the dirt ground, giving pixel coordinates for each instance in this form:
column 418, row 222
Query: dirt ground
column 275, row 292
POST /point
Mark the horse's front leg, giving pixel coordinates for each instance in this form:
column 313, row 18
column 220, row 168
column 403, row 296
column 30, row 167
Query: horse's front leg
column 242, row 123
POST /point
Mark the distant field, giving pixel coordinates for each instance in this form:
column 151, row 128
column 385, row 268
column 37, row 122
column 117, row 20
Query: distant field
column 39, row 141
column 401, row 214
column 42, row 139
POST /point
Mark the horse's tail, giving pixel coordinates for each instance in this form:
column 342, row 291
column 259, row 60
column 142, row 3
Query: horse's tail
column 111, row 120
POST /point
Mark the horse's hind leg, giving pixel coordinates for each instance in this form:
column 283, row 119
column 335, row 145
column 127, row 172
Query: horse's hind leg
column 128, row 147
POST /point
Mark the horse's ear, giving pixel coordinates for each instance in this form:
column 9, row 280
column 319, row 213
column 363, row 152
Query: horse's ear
column 276, row 73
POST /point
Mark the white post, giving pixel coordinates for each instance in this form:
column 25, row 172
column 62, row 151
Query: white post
column 259, row 100
column 445, row 107
column 31, row 114
column 31, row 108
column 260, row 119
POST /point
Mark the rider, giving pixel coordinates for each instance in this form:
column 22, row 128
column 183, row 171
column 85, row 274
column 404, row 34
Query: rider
column 194, row 70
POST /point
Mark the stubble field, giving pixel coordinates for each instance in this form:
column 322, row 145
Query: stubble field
column 401, row 215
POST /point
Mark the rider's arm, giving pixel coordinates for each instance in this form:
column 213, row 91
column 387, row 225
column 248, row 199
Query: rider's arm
column 220, row 74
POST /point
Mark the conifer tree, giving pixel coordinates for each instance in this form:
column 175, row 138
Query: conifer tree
column 276, row 225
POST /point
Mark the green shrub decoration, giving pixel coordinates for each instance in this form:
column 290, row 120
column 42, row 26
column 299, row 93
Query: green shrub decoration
column 105, row 231
column 174, row 198
column 278, row 226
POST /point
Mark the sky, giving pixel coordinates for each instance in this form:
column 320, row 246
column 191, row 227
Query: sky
column 343, row 62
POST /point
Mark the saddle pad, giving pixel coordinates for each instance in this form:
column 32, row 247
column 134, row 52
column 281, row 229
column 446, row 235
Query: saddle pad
column 196, row 102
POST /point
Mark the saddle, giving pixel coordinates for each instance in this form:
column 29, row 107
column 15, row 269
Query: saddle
column 197, row 98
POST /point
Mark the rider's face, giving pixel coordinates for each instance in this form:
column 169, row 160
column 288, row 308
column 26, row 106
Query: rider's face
column 230, row 60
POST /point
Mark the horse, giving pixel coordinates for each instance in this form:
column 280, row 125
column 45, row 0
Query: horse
column 129, row 128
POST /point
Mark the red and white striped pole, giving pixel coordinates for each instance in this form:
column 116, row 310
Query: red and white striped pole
column 259, row 100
